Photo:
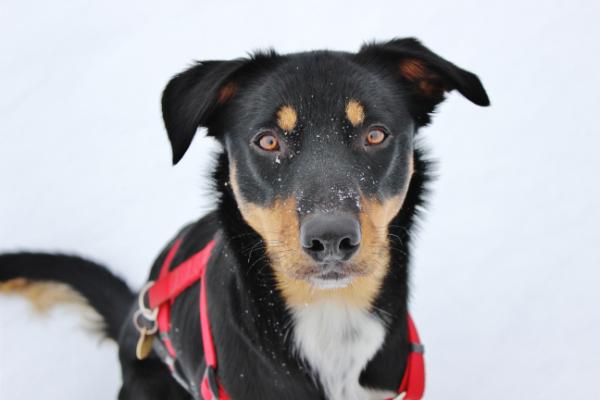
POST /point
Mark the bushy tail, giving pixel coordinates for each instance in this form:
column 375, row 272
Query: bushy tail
column 48, row 279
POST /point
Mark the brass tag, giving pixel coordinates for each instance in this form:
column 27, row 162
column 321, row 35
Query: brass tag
column 144, row 344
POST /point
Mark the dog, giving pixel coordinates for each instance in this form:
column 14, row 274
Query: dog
column 303, row 277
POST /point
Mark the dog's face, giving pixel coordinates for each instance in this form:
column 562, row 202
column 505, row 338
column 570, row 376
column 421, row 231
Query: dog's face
column 320, row 149
column 320, row 159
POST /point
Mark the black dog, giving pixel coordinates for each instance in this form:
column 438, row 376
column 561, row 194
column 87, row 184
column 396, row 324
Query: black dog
column 320, row 182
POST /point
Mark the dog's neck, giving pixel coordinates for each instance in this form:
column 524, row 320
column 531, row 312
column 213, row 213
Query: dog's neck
column 309, row 335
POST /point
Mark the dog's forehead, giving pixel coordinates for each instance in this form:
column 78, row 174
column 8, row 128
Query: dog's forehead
column 321, row 89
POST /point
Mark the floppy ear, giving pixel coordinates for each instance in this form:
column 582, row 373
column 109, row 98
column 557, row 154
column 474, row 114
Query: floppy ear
column 427, row 75
column 192, row 97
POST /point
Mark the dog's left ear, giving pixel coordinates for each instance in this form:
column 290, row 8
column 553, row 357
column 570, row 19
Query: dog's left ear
column 427, row 75
column 191, row 98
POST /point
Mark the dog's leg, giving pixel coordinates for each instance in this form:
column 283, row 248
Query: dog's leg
column 149, row 380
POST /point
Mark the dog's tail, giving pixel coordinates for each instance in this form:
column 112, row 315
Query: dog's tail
column 49, row 279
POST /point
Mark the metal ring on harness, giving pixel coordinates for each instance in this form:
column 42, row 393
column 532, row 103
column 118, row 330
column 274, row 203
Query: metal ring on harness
column 140, row 327
column 149, row 314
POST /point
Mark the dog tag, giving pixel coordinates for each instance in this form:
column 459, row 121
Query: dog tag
column 144, row 344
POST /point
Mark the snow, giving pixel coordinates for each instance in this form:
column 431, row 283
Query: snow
column 506, row 267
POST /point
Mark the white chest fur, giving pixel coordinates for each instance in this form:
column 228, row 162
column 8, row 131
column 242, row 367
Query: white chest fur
column 337, row 341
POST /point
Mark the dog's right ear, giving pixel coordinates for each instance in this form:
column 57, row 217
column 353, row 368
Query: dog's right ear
column 192, row 97
column 427, row 75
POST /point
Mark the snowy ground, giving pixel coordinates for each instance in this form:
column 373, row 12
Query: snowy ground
column 507, row 266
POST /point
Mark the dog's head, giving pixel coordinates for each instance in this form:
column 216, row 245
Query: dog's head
column 320, row 150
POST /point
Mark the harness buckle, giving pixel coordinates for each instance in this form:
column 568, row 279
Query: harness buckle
column 417, row 348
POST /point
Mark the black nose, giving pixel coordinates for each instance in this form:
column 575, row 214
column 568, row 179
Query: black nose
column 330, row 237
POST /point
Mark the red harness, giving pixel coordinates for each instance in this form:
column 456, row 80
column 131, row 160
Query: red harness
column 172, row 282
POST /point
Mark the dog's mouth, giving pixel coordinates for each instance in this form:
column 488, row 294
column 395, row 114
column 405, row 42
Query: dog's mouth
column 335, row 275
column 331, row 280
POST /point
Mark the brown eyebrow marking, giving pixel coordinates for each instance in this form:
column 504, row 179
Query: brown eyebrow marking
column 287, row 118
column 355, row 112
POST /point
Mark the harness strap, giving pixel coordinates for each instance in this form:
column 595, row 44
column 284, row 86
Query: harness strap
column 207, row 340
column 175, row 281
column 172, row 282
column 209, row 387
column 413, row 382
column 164, row 312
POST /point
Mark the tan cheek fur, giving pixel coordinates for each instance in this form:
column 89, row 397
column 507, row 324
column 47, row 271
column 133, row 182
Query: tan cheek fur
column 279, row 227
column 374, row 253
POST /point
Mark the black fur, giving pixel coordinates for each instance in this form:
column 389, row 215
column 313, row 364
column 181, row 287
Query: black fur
column 249, row 316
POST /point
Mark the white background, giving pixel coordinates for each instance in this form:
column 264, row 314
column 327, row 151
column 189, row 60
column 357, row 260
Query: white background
column 506, row 268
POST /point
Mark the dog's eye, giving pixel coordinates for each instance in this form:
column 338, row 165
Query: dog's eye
column 375, row 136
column 268, row 142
